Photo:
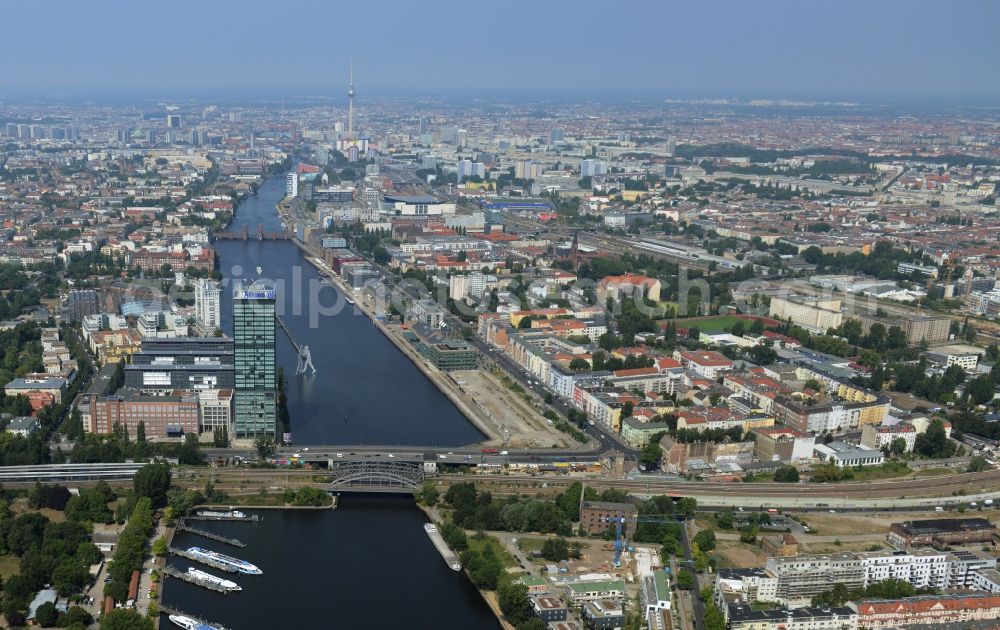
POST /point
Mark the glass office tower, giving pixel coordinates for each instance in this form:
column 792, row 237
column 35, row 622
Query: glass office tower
column 255, row 394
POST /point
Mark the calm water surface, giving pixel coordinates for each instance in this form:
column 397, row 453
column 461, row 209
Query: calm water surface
column 365, row 391
column 367, row 564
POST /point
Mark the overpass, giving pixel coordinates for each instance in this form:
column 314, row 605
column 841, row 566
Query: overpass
column 466, row 455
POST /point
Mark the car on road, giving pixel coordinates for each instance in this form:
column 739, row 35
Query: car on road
column 340, row 454
column 391, row 455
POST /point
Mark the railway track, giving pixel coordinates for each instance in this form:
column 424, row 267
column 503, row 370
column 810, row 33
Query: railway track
column 945, row 486
column 911, row 487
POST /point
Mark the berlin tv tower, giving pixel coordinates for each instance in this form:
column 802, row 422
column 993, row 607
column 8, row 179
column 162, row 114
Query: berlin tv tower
column 350, row 104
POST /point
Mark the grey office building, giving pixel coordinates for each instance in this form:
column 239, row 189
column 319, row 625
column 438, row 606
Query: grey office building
column 79, row 303
column 182, row 363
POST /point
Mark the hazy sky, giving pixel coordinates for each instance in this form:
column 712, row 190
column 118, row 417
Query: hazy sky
column 836, row 48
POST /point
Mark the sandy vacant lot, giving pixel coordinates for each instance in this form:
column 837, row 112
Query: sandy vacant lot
column 739, row 555
column 527, row 426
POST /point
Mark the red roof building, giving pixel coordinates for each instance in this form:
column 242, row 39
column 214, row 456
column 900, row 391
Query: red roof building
column 927, row 610
column 706, row 362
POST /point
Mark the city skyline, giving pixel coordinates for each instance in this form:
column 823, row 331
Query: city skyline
column 852, row 50
column 556, row 274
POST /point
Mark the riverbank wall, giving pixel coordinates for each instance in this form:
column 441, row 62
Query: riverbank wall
column 489, row 597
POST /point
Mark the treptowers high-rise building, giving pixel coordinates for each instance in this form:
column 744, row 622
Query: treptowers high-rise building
column 255, row 394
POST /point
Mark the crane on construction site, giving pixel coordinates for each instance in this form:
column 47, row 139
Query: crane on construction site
column 619, row 522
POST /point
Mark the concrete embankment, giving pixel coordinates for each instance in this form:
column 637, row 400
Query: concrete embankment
column 488, row 596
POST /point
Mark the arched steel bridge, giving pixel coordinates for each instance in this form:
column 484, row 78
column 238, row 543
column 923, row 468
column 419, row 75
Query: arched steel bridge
column 376, row 475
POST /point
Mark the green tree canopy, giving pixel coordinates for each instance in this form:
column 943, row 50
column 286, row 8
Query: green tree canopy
column 125, row 619
column 153, row 481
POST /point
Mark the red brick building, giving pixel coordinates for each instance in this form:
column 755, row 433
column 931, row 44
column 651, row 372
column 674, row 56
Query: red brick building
column 162, row 416
column 942, row 531
column 597, row 516
column 928, row 610
column 178, row 261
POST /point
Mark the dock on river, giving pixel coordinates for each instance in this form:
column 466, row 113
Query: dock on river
column 250, row 518
column 184, row 527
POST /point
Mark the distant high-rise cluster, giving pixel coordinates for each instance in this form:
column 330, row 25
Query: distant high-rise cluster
column 468, row 168
column 592, row 168
column 42, row 132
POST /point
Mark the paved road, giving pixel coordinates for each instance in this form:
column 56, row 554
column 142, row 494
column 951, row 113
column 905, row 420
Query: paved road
column 452, row 455
column 508, row 538
column 684, row 612
column 810, row 538
column 696, row 604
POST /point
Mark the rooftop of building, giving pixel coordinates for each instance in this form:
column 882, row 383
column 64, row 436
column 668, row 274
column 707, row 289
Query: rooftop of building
column 636, row 423
column 23, row 423
column 610, row 506
column 52, row 382
column 548, row 602
column 591, row 586
column 743, row 613
column 531, row 580
column 927, row 603
column 741, row 573
column 945, row 525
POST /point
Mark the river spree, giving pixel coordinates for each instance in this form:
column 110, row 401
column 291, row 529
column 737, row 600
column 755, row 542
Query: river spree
column 367, row 564
column 365, row 391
